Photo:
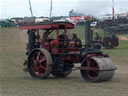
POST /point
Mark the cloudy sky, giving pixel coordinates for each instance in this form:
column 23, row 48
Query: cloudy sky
column 20, row 8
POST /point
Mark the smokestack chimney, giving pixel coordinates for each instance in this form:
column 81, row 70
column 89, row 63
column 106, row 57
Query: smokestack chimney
column 87, row 32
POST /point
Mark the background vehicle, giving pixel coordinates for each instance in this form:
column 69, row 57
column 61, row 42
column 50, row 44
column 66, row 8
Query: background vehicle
column 93, row 24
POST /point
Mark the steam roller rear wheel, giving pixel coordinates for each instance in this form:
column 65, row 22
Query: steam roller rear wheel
column 101, row 69
column 40, row 63
column 108, row 43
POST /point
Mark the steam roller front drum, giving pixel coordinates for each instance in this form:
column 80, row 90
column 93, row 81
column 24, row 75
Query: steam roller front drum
column 101, row 69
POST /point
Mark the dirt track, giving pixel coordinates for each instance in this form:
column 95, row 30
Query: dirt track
column 14, row 82
column 123, row 38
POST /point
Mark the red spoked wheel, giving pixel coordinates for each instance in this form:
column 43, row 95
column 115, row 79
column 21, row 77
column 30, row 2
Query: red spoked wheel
column 93, row 69
column 40, row 63
column 97, row 69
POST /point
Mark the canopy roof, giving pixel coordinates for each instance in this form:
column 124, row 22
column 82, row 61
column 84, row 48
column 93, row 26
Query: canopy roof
column 47, row 25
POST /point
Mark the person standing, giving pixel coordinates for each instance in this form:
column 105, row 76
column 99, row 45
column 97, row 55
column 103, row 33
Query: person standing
column 32, row 39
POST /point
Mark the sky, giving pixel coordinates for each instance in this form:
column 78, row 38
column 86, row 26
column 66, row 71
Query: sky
column 101, row 7
column 20, row 8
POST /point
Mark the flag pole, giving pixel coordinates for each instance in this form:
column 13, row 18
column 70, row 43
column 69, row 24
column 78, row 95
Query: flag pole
column 51, row 9
column 30, row 8
column 113, row 10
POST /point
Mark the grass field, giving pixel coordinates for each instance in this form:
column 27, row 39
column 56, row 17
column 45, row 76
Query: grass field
column 14, row 82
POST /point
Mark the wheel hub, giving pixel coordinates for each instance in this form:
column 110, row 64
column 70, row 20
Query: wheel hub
column 37, row 63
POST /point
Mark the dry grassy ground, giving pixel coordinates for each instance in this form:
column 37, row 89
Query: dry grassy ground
column 14, row 82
